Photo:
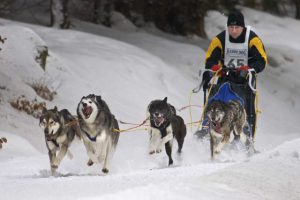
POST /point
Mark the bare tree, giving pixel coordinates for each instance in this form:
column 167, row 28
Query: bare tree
column 297, row 4
column 96, row 11
column 6, row 7
column 59, row 14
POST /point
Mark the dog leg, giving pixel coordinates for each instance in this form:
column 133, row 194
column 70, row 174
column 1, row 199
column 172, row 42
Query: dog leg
column 165, row 139
column 168, row 147
column 243, row 138
column 108, row 152
column 2, row 140
column 212, row 145
column 224, row 141
column 61, row 155
column 180, row 141
column 154, row 138
column 52, row 157
column 91, row 153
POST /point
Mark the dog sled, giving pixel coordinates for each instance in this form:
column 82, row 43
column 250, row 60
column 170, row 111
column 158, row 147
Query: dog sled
column 243, row 87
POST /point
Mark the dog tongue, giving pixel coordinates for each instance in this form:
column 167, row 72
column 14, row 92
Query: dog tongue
column 87, row 111
column 158, row 121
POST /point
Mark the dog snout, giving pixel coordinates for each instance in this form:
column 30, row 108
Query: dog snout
column 46, row 131
column 84, row 104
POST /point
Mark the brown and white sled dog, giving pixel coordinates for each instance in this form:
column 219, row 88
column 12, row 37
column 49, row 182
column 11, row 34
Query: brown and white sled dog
column 164, row 126
column 59, row 129
column 225, row 118
column 99, row 130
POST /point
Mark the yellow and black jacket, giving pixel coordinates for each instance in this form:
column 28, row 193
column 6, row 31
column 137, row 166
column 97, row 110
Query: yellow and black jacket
column 257, row 57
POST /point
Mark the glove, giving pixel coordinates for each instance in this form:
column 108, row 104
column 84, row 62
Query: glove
column 243, row 71
column 207, row 75
column 243, row 68
column 215, row 68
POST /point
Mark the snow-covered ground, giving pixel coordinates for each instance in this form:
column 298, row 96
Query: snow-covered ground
column 129, row 67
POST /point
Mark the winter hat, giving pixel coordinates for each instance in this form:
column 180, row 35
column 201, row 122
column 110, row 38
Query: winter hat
column 235, row 18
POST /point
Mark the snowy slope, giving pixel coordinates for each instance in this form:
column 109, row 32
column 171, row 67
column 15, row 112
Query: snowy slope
column 129, row 69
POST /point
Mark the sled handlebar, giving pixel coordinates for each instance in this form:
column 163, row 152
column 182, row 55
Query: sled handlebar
column 227, row 71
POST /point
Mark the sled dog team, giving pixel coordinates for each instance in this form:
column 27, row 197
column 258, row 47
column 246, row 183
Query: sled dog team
column 99, row 129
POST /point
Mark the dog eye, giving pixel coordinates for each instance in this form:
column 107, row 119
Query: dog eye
column 90, row 102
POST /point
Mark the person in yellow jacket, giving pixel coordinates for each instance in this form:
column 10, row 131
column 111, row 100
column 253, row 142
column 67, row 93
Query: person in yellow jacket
column 238, row 51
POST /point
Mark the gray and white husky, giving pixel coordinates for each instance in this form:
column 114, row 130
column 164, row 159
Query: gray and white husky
column 99, row 130
column 226, row 118
column 59, row 129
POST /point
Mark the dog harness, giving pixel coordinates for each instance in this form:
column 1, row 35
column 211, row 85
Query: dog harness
column 55, row 143
column 93, row 139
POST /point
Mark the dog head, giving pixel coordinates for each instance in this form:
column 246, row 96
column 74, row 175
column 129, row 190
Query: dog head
column 50, row 122
column 89, row 107
column 215, row 112
column 160, row 112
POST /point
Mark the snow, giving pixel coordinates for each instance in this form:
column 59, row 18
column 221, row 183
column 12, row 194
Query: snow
column 129, row 67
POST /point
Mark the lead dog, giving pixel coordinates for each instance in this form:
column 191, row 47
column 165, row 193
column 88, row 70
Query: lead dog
column 59, row 129
column 99, row 129
column 225, row 118
column 164, row 126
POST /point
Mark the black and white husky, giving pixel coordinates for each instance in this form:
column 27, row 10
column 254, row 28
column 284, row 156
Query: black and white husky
column 164, row 126
column 99, row 130
column 59, row 129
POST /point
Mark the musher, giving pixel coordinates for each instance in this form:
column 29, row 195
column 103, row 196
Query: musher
column 238, row 51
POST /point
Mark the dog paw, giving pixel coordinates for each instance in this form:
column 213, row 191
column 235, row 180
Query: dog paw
column 90, row 162
column 3, row 140
column 217, row 151
column 151, row 152
column 105, row 170
column 54, row 166
column 56, row 162
column 158, row 150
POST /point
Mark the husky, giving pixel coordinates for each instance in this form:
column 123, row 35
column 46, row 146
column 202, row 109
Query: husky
column 225, row 118
column 60, row 130
column 164, row 126
column 99, row 129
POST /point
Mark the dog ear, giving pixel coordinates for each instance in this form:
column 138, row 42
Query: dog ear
column 98, row 98
column 165, row 99
column 55, row 109
column 44, row 110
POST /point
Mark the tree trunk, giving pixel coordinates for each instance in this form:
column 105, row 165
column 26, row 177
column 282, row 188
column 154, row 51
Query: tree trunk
column 66, row 21
column 59, row 14
column 56, row 13
column 96, row 11
column 297, row 4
